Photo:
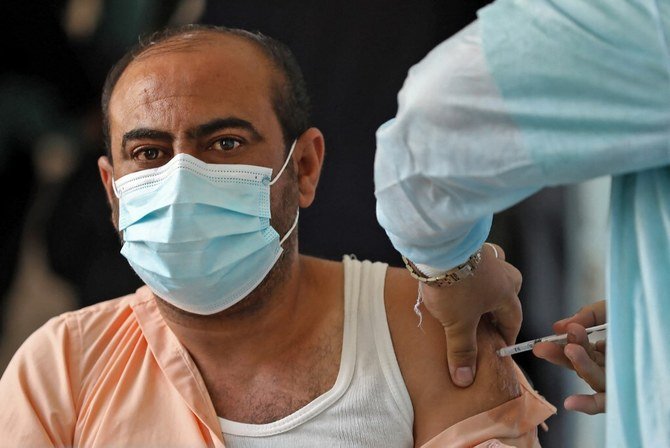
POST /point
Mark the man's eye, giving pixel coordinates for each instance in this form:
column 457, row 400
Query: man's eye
column 226, row 144
column 147, row 154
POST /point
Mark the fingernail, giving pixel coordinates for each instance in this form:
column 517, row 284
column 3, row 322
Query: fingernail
column 464, row 376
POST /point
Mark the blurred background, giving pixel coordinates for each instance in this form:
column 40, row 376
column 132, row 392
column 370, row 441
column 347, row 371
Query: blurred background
column 58, row 249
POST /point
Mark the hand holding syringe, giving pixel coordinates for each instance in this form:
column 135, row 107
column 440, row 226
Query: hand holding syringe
column 578, row 353
column 528, row 345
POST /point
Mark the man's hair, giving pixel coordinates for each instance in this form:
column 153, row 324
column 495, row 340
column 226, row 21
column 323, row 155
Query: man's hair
column 290, row 100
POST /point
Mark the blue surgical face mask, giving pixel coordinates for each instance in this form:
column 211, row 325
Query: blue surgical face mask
column 199, row 234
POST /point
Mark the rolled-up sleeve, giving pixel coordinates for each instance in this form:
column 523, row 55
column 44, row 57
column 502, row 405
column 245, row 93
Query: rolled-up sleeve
column 527, row 96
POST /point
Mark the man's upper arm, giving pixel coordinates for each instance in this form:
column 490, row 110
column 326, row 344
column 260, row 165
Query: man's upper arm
column 421, row 354
column 36, row 390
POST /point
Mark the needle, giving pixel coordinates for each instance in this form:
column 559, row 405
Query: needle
column 528, row 345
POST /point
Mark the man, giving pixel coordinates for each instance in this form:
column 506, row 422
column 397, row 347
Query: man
column 237, row 338
column 537, row 94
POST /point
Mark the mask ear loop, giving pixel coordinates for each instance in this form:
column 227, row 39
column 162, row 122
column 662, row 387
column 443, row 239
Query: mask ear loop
column 288, row 159
column 295, row 223
column 116, row 191
column 279, row 173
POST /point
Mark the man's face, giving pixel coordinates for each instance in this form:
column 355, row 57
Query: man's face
column 209, row 97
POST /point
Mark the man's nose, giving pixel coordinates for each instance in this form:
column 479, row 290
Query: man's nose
column 189, row 147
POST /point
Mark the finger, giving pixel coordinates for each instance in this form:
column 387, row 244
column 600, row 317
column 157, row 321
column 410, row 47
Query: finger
column 577, row 335
column 508, row 319
column 599, row 358
column 600, row 352
column 515, row 277
column 587, row 316
column 462, row 352
column 553, row 353
column 588, row 404
column 600, row 311
column 496, row 250
column 586, row 367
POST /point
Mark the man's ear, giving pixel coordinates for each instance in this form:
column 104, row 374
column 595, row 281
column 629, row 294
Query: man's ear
column 310, row 151
column 107, row 177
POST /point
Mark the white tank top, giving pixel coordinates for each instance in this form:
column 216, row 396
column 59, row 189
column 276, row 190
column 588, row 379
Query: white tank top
column 369, row 405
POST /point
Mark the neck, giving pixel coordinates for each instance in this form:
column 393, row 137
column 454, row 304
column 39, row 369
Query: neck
column 263, row 325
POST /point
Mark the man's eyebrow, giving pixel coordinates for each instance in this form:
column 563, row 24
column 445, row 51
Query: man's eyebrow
column 144, row 133
column 224, row 123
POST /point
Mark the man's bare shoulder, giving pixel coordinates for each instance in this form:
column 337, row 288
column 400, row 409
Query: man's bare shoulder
column 422, row 357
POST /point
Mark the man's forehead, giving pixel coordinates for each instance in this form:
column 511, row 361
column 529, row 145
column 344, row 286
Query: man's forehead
column 205, row 64
column 180, row 90
column 209, row 57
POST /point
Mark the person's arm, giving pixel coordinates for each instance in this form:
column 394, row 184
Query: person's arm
column 37, row 390
column 526, row 97
column 467, row 415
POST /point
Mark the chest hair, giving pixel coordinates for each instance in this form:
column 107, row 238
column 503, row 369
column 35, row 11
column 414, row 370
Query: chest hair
column 281, row 387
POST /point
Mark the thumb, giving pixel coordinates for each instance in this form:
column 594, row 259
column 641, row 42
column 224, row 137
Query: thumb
column 462, row 352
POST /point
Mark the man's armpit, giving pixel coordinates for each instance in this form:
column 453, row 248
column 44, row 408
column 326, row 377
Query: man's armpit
column 505, row 380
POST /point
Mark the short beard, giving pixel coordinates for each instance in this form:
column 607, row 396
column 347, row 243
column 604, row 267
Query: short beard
column 283, row 220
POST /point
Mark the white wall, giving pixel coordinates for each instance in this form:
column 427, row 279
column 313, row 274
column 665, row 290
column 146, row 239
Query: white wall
column 587, row 233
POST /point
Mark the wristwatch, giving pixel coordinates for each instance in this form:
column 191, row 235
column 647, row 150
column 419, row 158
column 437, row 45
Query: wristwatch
column 450, row 277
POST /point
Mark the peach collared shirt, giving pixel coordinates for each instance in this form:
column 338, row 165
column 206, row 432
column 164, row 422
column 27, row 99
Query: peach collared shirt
column 512, row 424
column 114, row 374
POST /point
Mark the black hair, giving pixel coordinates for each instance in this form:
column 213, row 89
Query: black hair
column 290, row 99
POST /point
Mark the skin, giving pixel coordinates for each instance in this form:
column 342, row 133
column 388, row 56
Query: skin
column 495, row 286
column 586, row 359
column 296, row 314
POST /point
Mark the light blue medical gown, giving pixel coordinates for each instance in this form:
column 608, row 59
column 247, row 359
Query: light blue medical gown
column 538, row 93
